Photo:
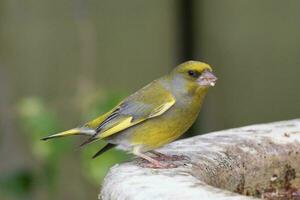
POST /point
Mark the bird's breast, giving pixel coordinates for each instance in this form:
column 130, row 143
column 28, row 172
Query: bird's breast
column 164, row 129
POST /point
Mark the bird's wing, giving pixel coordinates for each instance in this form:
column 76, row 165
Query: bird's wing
column 151, row 101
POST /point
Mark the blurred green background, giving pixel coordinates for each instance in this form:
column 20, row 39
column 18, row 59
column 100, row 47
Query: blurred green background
column 63, row 62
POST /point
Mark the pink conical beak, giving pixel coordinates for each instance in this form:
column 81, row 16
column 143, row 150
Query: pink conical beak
column 207, row 79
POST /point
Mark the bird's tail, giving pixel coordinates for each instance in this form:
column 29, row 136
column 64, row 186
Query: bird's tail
column 74, row 131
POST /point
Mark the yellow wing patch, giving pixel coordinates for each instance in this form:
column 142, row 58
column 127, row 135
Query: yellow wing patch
column 125, row 123
column 161, row 109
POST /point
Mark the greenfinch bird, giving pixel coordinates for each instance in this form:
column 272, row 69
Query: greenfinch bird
column 153, row 116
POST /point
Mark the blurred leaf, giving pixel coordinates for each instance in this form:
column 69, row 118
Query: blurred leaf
column 18, row 183
column 38, row 120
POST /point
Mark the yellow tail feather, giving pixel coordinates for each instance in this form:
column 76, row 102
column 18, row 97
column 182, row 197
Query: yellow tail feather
column 75, row 131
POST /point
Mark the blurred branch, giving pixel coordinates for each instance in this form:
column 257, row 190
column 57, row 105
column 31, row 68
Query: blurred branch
column 7, row 123
column 88, row 49
column 186, row 29
column 5, row 113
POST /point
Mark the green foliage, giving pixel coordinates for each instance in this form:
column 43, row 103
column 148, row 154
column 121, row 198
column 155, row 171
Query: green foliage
column 19, row 183
column 38, row 119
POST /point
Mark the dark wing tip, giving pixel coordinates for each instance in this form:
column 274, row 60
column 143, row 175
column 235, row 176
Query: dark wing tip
column 95, row 156
column 45, row 138
column 104, row 149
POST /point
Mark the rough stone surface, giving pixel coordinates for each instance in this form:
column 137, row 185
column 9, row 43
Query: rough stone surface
column 223, row 165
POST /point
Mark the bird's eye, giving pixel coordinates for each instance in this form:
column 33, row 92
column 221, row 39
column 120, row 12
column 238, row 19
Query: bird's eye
column 193, row 74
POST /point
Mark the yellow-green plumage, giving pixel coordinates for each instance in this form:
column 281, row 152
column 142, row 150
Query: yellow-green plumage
column 167, row 127
column 155, row 115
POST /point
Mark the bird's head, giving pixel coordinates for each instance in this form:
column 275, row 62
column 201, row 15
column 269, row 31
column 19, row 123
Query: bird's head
column 194, row 75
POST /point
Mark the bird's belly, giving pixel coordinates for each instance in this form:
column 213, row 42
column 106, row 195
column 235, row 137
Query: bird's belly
column 155, row 132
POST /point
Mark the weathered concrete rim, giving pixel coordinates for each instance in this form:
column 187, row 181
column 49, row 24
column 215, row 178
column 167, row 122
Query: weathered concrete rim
column 231, row 159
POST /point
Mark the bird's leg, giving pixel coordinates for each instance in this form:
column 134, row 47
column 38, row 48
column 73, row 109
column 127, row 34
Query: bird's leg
column 158, row 154
column 152, row 163
column 164, row 157
column 161, row 156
